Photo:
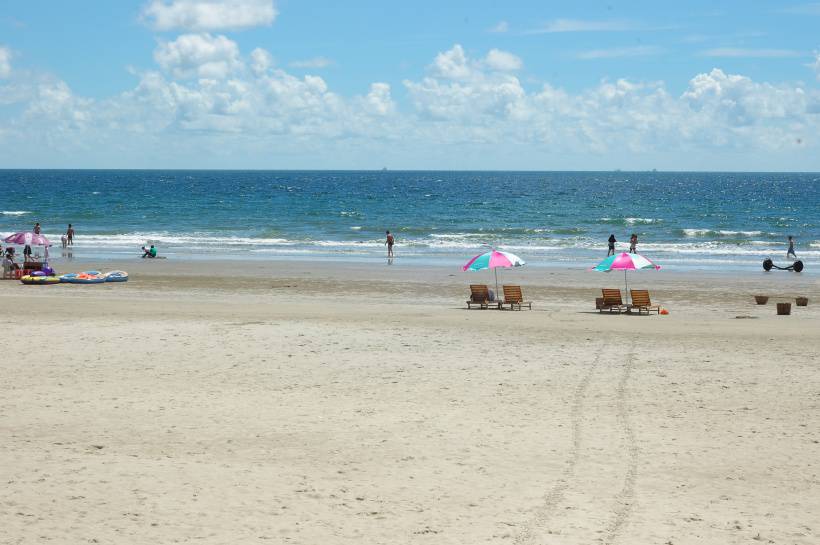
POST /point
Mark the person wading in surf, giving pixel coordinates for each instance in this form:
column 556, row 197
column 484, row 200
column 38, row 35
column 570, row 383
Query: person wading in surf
column 390, row 241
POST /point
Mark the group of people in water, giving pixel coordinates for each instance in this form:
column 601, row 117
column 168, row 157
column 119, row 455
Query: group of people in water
column 68, row 238
column 151, row 252
column 633, row 244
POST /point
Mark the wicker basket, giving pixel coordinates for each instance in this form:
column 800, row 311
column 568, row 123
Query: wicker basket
column 784, row 309
column 761, row 299
column 802, row 301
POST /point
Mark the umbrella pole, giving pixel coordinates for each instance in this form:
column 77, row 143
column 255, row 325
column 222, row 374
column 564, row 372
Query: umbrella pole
column 626, row 287
column 495, row 272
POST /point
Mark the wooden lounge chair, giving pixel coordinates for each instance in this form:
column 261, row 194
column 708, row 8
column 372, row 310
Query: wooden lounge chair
column 612, row 301
column 479, row 295
column 640, row 301
column 514, row 298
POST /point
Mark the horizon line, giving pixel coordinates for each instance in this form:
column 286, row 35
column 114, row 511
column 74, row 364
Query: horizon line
column 624, row 171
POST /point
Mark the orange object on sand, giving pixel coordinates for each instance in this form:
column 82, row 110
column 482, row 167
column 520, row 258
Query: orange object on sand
column 664, row 312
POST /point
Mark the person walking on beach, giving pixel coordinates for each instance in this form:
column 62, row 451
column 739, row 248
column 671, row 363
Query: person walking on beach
column 612, row 242
column 633, row 244
column 390, row 241
column 790, row 251
column 69, row 234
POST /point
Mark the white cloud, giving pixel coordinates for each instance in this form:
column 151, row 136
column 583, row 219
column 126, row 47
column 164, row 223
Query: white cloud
column 750, row 53
column 5, row 62
column 737, row 101
column 619, row 52
column 500, row 27
column 204, row 15
column 459, row 87
column 261, row 61
column 315, row 62
column 503, row 60
column 378, row 100
column 452, row 64
column 199, row 55
column 578, row 25
column 464, row 111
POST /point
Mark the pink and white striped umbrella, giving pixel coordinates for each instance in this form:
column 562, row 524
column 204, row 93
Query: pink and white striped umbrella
column 27, row 238
column 625, row 262
column 493, row 260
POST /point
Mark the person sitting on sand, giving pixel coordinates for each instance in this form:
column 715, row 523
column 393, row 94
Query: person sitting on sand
column 612, row 242
column 8, row 263
column 149, row 252
column 633, row 243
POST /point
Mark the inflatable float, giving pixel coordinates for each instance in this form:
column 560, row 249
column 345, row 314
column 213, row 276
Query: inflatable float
column 116, row 276
column 39, row 280
column 88, row 277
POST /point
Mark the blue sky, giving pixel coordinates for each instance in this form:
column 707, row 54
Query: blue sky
column 462, row 85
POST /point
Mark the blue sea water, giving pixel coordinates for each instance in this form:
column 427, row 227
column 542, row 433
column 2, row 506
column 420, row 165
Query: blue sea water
column 682, row 219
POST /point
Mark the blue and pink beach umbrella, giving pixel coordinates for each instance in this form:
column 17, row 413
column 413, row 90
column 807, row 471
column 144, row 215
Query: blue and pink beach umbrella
column 493, row 260
column 625, row 262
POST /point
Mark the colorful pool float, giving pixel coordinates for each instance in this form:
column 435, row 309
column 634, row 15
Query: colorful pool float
column 116, row 276
column 40, row 280
column 89, row 277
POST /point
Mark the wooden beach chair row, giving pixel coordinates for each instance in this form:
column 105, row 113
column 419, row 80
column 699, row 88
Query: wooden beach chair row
column 641, row 302
column 513, row 297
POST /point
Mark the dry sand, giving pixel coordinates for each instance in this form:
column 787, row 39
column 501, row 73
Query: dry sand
column 324, row 403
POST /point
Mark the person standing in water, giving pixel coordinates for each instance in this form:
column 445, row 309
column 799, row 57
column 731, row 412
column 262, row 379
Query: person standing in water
column 69, row 234
column 390, row 241
column 790, row 251
column 612, row 242
column 37, row 228
column 633, row 244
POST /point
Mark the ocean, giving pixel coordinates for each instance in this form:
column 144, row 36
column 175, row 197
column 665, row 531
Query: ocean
column 683, row 219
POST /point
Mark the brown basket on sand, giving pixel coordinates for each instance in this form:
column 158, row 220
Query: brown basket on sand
column 802, row 301
column 784, row 309
column 761, row 299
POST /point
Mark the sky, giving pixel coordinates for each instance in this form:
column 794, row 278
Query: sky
column 465, row 85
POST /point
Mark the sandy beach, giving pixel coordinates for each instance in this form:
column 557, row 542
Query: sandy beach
column 321, row 402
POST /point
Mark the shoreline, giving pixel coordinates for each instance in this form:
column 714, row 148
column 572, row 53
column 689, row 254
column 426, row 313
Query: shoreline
column 58, row 257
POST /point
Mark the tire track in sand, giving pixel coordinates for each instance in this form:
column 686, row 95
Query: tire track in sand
column 625, row 499
column 554, row 496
